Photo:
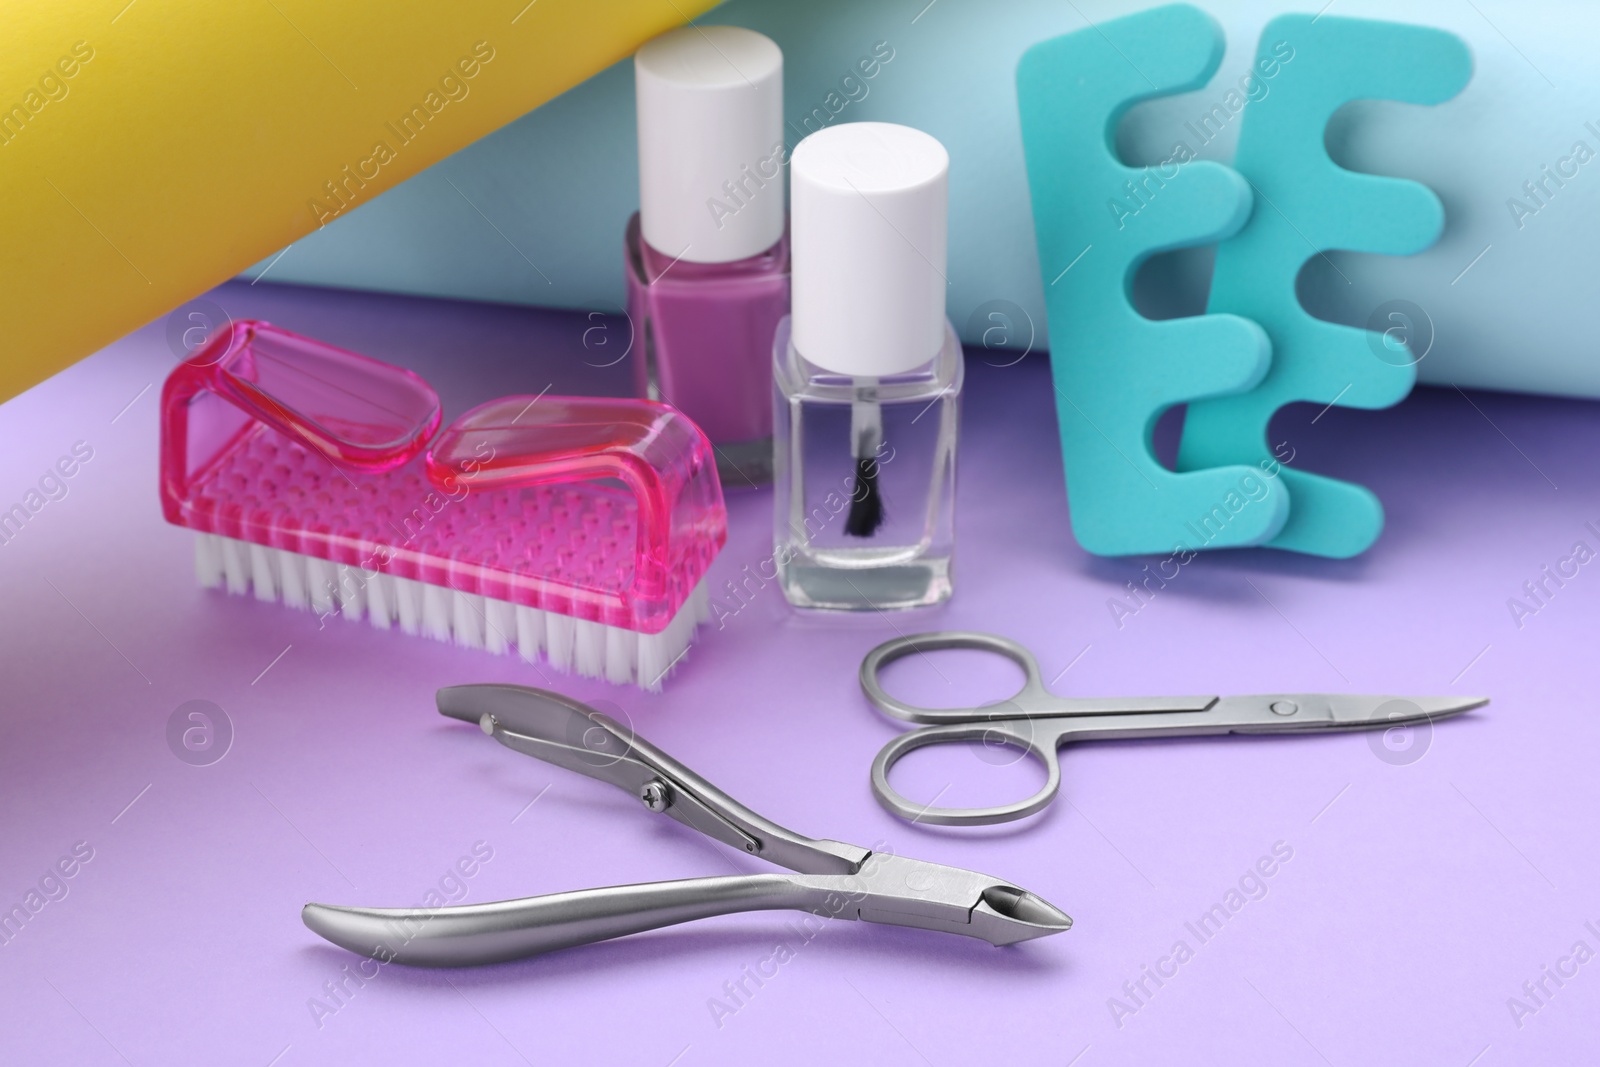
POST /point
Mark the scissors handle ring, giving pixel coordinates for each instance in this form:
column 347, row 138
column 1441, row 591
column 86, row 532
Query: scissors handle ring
column 898, row 648
column 897, row 747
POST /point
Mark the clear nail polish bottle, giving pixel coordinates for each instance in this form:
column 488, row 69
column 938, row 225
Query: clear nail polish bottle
column 707, row 257
column 867, row 375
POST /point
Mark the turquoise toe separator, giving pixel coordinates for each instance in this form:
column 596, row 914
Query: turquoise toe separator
column 1096, row 219
column 1305, row 205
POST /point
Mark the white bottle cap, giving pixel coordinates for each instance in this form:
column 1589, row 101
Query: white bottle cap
column 710, row 102
column 867, row 232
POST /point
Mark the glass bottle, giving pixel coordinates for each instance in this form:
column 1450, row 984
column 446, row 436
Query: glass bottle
column 867, row 375
column 826, row 556
column 707, row 256
column 702, row 343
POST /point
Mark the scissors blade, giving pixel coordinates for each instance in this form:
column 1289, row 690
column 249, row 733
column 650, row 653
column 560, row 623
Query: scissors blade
column 1360, row 712
column 1269, row 713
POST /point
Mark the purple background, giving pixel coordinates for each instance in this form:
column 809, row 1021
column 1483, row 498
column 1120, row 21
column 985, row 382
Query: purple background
column 1420, row 895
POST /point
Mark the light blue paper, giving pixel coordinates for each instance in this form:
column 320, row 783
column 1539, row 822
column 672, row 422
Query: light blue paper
column 1502, row 296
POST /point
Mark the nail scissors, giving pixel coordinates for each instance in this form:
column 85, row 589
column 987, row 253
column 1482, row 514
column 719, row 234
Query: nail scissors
column 834, row 880
column 1038, row 722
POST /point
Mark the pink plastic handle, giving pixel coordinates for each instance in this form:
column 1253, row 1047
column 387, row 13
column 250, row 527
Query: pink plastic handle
column 654, row 450
column 359, row 413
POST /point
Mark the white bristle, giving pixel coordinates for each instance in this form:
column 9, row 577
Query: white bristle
column 319, row 585
column 499, row 625
column 235, row 570
column 591, row 648
column 292, row 579
column 622, row 648
column 380, row 601
column 467, row 618
column 649, row 654
column 530, row 632
column 558, row 640
column 436, row 605
column 408, row 604
column 263, row 575
column 208, row 560
column 352, row 593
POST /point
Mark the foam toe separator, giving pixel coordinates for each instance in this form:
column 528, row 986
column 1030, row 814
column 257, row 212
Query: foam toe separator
column 1096, row 220
column 1306, row 204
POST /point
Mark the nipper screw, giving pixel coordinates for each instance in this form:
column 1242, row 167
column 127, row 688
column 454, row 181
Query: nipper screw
column 655, row 795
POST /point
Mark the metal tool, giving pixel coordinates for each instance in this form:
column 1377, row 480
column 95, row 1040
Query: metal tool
column 835, row 880
column 1038, row 722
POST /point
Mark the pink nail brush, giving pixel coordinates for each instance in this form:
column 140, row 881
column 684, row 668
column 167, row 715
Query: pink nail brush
column 579, row 528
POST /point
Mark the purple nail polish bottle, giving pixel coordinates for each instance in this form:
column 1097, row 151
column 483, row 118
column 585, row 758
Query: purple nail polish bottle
column 707, row 257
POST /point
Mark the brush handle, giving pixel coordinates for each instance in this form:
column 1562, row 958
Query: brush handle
column 358, row 413
column 658, row 454
column 866, row 419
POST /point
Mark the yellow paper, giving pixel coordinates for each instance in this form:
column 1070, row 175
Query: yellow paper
column 150, row 150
